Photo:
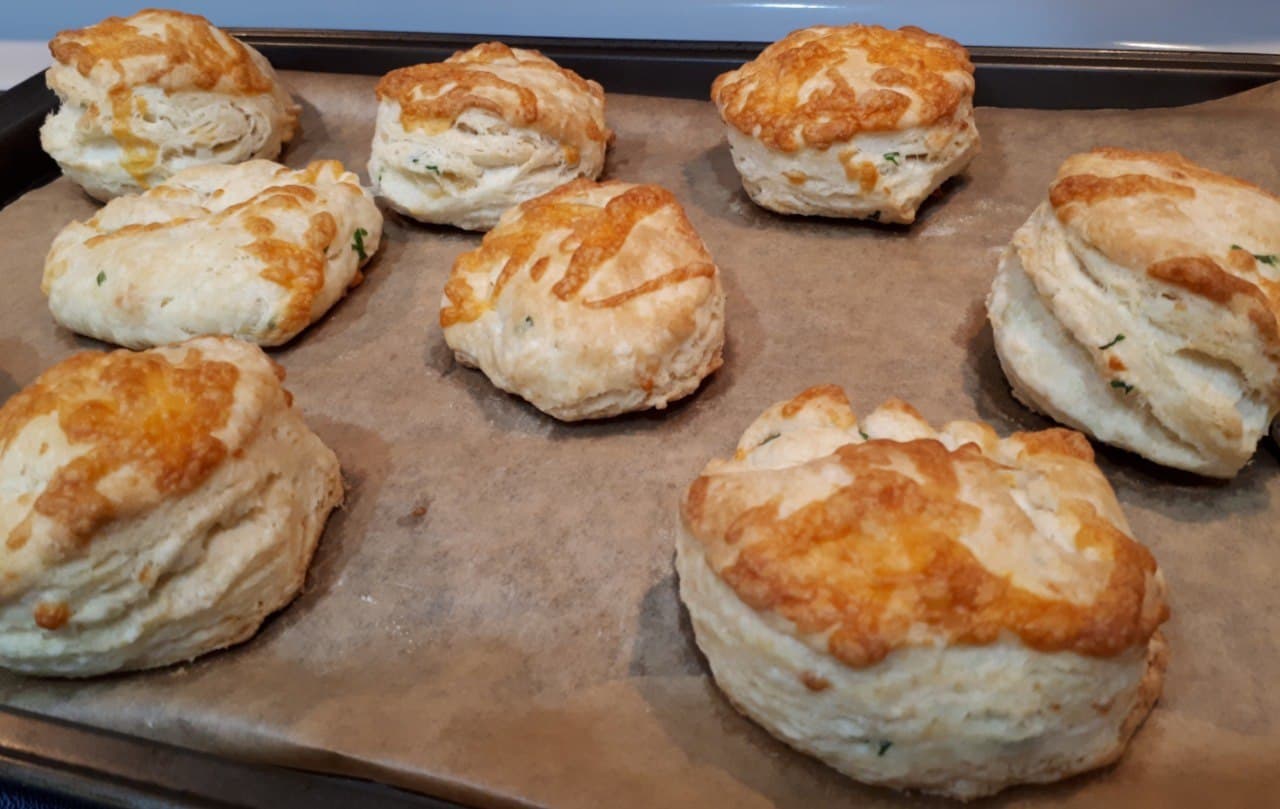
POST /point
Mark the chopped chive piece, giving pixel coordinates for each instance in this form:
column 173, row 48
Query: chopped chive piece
column 528, row 321
column 1115, row 340
column 357, row 243
column 433, row 169
column 884, row 747
column 865, row 437
column 102, row 276
column 1270, row 259
column 768, row 439
column 1120, row 383
column 892, row 157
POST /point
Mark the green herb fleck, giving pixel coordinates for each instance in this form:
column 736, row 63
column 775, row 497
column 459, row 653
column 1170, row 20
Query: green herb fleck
column 1120, row 383
column 768, row 439
column 357, row 243
column 875, row 217
column 892, row 157
column 1114, row 340
column 528, row 321
column 864, row 435
column 102, row 276
column 885, row 744
column 433, row 169
column 1270, row 259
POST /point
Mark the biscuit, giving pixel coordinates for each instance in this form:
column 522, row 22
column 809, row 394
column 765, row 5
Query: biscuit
column 460, row 141
column 941, row 610
column 853, row 121
column 256, row 251
column 1139, row 304
column 592, row 300
column 146, row 96
column 154, row 506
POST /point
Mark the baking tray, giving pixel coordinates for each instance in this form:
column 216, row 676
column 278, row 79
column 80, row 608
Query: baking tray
column 113, row 769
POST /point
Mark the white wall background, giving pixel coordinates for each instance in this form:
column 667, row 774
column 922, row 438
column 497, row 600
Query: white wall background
column 1228, row 25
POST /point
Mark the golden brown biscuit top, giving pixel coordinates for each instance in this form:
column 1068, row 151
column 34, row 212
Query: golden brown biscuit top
column 167, row 49
column 1211, row 234
column 872, row 537
column 128, row 429
column 274, row 212
column 523, row 87
column 823, row 85
column 606, row 245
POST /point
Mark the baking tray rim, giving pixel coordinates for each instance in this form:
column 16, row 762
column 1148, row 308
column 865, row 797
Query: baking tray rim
column 112, row 768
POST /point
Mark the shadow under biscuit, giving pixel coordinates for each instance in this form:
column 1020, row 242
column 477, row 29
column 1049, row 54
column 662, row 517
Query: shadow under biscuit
column 310, row 139
column 723, row 738
column 946, row 194
column 673, row 677
column 19, row 367
column 985, row 381
column 351, row 311
column 664, row 643
column 365, row 460
column 1184, row 496
column 713, row 184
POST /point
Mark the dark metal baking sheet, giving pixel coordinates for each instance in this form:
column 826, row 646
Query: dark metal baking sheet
column 114, row 770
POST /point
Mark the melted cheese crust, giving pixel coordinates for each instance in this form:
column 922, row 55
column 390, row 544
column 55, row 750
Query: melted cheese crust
column 820, row 86
column 865, row 540
column 523, row 87
column 167, row 49
column 585, row 226
column 1159, row 213
column 158, row 417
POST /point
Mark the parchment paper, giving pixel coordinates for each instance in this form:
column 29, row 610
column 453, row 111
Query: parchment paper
column 493, row 615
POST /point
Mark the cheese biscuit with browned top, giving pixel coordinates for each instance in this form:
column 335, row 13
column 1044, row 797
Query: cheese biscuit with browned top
column 146, row 96
column 255, row 251
column 1141, row 304
column 593, row 300
column 942, row 610
column 853, row 121
column 154, row 506
column 460, row 141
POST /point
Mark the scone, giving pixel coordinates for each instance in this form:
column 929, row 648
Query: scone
column 853, row 121
column 1139, row 303
column 146, row 96
column 256, row 251
column 154, row 506
column 941, row 610
column 593, row 300
column 460, row 141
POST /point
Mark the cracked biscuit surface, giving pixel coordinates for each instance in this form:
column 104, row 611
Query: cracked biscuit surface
column 154, row 506
column 942, row 610
column 593, row 300
column 1140, row 304
column 851, row 121
column 255, row 251
column 146, row 96
column 460, row 141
